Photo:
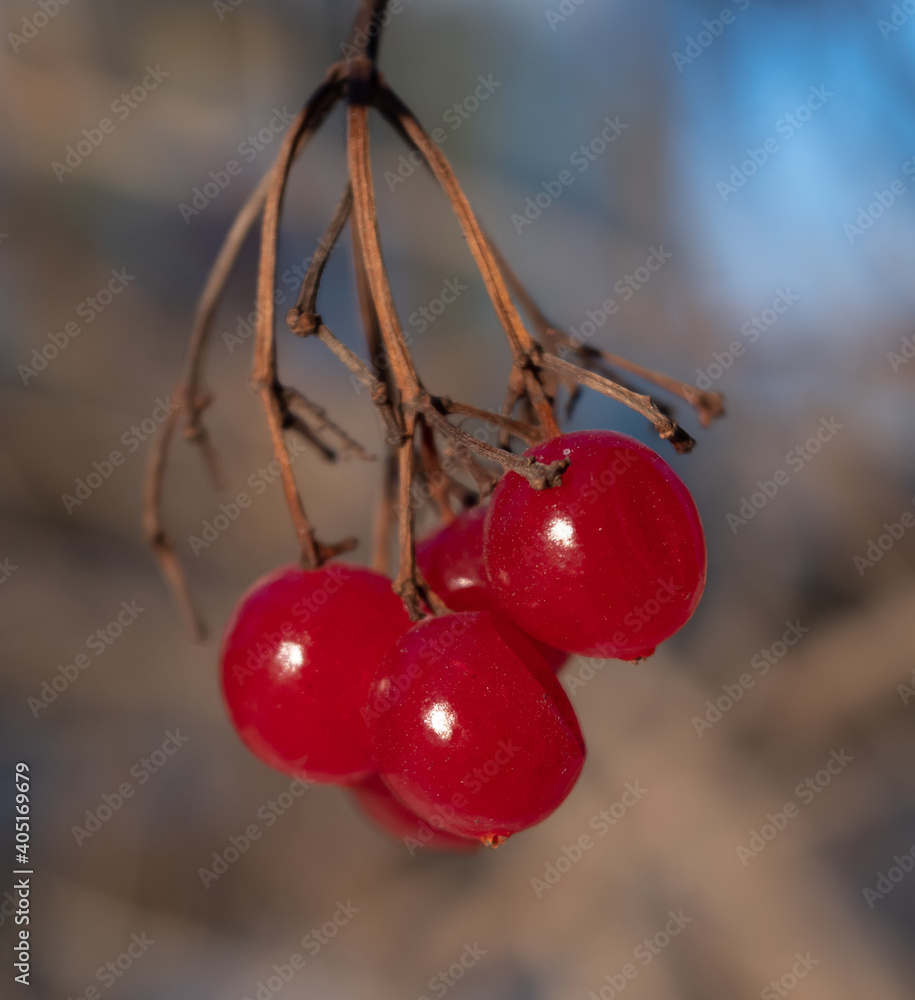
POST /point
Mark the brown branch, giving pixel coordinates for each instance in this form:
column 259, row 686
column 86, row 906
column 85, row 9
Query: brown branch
column 366, row 34
column 321, row 103
column 708, row 405
column 433, row 473
column 538, row 475
column 191, row 399
column 406, row 584
column 264, row 375
column 456, row 453
column 520, row 341
column 665, row 427
column 366, row 221
column 162, row 546
column 402, row 372
column 526, row 432
column 303, row 318
column 348, row 445
column 384, row 516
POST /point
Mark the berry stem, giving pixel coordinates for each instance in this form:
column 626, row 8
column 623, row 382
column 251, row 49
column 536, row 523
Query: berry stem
column 161, row 544
column 305, row 310
column 443, row 448
column 347, row 445
column 708, row 405
column 526, row 432
column 666, row 428
column 539, row 476
column 191, row 399
column 432, row 469
column 520, row 341
column 264, row 375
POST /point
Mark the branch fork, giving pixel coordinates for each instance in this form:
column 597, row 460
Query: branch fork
column 424, row 444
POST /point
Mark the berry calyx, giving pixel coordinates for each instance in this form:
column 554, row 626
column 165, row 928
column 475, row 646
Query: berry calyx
column 610, row 562
column 376, row 801
column 470, row 728
column 297, row 660
column 451, row 561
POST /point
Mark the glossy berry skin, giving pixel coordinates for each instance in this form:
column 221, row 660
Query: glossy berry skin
column 297, row 660
column 451, row 561
column 609, row 563
column 470, row 728
column 376, row 801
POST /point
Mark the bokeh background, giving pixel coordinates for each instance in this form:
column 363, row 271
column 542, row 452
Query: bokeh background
column 557, row 71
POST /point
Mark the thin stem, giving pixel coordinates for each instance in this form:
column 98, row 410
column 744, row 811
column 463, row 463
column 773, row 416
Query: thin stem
column 526, row 432
column 348, row 445
column 264, row 374
column 384, row 516
column 432, row 469
column 192, row 400
column 538, row 475
column 163, row 548
column 366, row 223
column 665, row 427
column 366, row 34
column 321, row 103
column 523, row 347
column 406, row 584
column 708, row 405
column 303, row 318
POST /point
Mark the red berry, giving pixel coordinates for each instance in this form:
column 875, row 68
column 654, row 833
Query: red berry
column 297, row 660
column 451, row 561
column 609, row 563
column 377, row 802
column 470, row 728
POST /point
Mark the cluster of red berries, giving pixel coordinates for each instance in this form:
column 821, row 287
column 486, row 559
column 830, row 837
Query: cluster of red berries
column 455, row 729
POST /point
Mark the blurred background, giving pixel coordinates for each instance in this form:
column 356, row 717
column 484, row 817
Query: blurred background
column 765, row 150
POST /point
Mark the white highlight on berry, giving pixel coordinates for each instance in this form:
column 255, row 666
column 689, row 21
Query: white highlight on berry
column 440, row 719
